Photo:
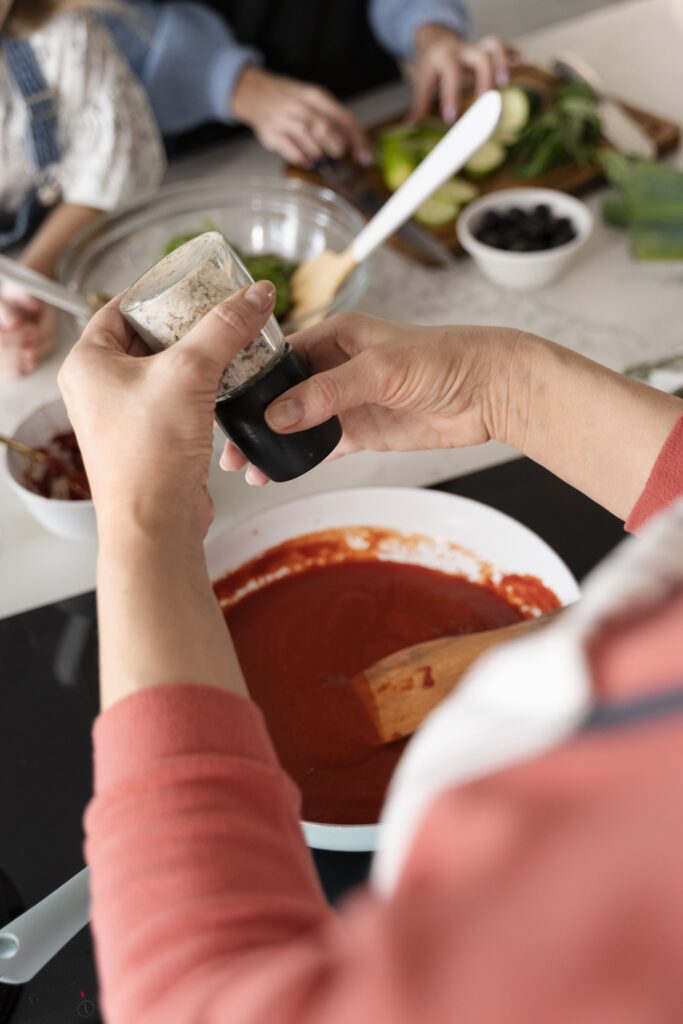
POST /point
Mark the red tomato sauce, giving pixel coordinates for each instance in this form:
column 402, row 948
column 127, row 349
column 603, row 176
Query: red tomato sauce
column 300, row 639
column 62, row 474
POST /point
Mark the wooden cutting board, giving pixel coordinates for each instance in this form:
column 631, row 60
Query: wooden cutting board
column 568, row 178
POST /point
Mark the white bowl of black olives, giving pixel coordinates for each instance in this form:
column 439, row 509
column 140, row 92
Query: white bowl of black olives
column 524, row 238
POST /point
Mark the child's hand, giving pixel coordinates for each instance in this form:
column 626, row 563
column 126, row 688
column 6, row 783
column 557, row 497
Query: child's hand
column 27, row 329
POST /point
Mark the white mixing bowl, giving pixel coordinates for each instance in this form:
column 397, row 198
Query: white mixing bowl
column 482, row 534
column 523, row 271
column 74, row 520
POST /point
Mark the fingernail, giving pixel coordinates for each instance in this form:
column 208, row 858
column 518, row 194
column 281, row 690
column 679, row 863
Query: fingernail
column 254, row 478
column 365, row 158
column 449, row 113
column 502, row 77
column 284, row 414
column 260, row 295
column 223, row 464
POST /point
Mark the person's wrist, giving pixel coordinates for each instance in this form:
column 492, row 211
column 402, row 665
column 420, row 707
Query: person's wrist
column 130, row 519
column 507, row 391
column 430, row 33
column 245, row 91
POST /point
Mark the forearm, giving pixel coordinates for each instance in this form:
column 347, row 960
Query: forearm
column 185, row 94
column 216, row 885
column 159, row 620
column 45, row 249
column 397, row 22
column 594, row 428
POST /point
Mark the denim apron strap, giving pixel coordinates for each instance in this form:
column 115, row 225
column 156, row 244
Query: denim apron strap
column 30, row 83
column 42, row 140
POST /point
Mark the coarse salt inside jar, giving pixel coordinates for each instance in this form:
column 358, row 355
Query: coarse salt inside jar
column 174, row 295
column 178, row 291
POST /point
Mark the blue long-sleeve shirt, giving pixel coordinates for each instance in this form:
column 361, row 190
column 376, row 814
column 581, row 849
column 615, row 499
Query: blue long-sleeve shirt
column 158, row 40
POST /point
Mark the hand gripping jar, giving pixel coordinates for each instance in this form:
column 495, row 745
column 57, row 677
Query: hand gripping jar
column 172, row 296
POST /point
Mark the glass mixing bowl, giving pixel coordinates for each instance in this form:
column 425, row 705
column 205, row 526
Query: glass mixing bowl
column 286, row 217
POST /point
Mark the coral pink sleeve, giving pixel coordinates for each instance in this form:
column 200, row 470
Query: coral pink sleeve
column 665, row 482
column 206, row 908
column 196, row 852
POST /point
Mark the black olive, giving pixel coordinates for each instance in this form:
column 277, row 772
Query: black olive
column 535, row 229
column 490, row 220
column 490, row 237
column 520, row 230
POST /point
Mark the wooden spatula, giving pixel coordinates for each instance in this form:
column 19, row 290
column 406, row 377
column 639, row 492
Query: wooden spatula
column 316, row 282
column 399, row 691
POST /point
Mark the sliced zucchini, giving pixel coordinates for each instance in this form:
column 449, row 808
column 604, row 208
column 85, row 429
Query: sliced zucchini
column 396, row 167
column 458, row 191
column 437, row 211
column 397, row 132
column 515, row 115
column 486, row 160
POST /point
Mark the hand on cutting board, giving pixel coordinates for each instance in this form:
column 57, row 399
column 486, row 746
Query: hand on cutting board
column 302, row 122
column 27, row 328
column 443, row 61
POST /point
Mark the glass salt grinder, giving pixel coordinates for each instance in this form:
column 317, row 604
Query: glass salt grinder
column 172, row 296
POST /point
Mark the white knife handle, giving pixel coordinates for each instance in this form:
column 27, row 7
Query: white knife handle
column 28, row 942
column 623, row 132
column 461, row 142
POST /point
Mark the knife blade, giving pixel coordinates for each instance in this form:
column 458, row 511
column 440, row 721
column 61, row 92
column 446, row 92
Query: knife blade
column 618, row 127
column 341, row 177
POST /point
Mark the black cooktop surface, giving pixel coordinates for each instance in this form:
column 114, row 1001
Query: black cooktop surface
column 48, row 700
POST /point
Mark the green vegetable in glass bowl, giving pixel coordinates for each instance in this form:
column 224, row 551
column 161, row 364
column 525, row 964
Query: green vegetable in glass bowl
column 261, row 266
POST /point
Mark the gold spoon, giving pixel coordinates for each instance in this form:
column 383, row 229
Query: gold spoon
column 38, row 456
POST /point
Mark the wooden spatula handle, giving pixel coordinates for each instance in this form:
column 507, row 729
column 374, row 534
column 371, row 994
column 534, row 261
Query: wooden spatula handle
column 399, row 691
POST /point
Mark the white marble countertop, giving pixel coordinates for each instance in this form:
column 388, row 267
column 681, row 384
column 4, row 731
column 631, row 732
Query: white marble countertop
column 607, row 306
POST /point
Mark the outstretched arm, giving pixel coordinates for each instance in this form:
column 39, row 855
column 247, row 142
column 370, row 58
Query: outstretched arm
column 399, row 387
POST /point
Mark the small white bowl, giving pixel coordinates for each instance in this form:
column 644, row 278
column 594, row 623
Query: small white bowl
column 524, row 270
column 462, row 537
column 74, row 520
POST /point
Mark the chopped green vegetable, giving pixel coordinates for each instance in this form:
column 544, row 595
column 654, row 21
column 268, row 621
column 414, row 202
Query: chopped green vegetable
column 400, row 148
column 187, row 236
column 261, row 266
column 518, row 106
column 437, row 211
column 568, row 131
column 615, row 212
column 649, row 204
column 486, row 160
column 396, row 167
column 279, row 271
column 458, row 191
